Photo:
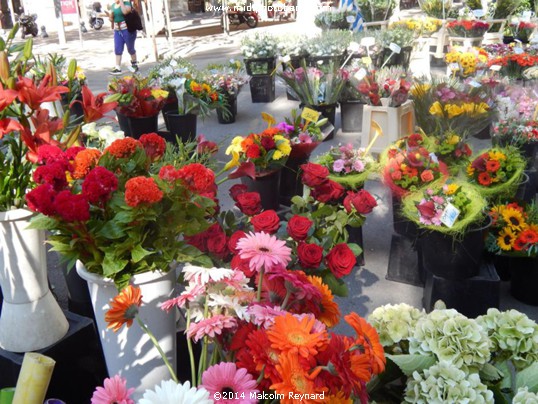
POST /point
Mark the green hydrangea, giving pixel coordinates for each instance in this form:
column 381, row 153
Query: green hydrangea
column 395, row 322
column 445, row 383
column 514, row 336
column 452, row 338
column 524, row 396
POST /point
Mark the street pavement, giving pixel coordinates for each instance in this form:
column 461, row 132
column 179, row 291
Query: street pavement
column 368, row 285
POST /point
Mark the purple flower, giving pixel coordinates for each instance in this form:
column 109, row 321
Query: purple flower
column 358, row 166
column 304, row 138
column 284, row 127
column 338, row 166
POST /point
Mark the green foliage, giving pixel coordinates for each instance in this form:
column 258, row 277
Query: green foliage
column 376, row 10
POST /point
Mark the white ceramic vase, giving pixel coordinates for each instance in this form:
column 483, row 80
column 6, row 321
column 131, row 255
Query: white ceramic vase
column 129, row 352
column 31, row 318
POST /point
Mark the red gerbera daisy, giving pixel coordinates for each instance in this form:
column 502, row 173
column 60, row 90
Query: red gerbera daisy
column 484, row 179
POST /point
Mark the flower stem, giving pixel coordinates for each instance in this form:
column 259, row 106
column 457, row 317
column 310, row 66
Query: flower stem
column 260, row 283
column 159, row 349
column 191, row 352
column 286, row 300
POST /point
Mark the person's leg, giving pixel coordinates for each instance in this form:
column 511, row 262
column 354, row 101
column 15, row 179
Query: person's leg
column 119, row 44
column 130, row 42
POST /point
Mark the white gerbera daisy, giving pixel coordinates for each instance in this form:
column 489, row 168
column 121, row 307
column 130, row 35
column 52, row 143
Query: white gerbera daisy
column 169, row 392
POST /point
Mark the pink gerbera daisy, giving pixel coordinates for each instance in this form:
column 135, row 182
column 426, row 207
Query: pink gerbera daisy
column 227, row 378
column 211, row 327
column 263, row 251
column 264, row 316
column 114, row 391
column 191, row 293
column 297, row 283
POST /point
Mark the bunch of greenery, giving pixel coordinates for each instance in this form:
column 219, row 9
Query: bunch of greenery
column 398, row 34
column 329, row 43
column 442, row 9
column 376, row 10
column 333, row 19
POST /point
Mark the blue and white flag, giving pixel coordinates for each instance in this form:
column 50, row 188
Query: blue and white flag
column 357, row 21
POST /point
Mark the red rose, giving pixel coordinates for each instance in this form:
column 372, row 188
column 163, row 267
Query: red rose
column 234, row 238
column 362, row 201
column 298, row 227
column 267, row 142
column 249, row 203
column 267, row 221
column 243, row 265
column 237, row 190
column 426, row 209
column 198, row 240
column 396, row 175
column 328, row 191
column 340, row 260
column 314, row 174
column 309, row 255
column 217, row 244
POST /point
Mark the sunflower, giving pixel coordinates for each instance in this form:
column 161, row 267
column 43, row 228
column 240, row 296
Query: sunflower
column 514, row 219
column 124, row 308
column 330, row 313
column 289, row 334
column 506, row 239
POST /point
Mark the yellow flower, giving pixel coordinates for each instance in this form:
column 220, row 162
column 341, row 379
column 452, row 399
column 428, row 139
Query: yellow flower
column 482, row 108
column 277, row 155
column 235, row 146
column 497, row 155
column 436, row 109
column 451, row 189
column 453, row 110
column 206, row 88
column 514, row 219
column 419, row 89
column 159, row 93
column 283, row 145
column 234, row 162
column 506, row 239
column 470, row 170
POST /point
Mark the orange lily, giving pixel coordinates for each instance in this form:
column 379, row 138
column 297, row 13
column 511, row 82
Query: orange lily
column 45, row 128
column 33, row 96
column 6, row 97
column 9, row 125
column 94, row 106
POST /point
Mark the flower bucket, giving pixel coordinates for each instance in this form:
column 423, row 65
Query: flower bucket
column 267, row 184
column 129, row 352
column 524, row 278
column 260, row 66
column 31, row 319
column 351, row 116
column 143, row 125
column 327, row 111
column 401, row 225
column 262, row 88
column 182, row 125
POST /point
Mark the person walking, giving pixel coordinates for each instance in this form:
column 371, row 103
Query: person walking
column 122, row 37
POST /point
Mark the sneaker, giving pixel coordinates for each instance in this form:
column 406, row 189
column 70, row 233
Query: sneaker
column 115, row 71
column 134, row 67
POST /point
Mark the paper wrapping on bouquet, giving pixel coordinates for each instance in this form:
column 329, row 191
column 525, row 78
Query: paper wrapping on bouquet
column 395, row 122
column 267, row 184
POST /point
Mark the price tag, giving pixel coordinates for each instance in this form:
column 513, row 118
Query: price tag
column 310, row 115
column 395, row 48
column 495, row 68
column 518, row 50
column 475, row 84
column 454, row 66
column 478, row 13
column 367, row 60
column 354, row 47
column 361, row 73
column 350, row 19
column 433, row 157
column 449, row 215
column 286, row 59
column 368, row 41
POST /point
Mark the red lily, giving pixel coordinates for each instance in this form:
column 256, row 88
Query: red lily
column 33, row 96
column 9, row 125
column 94, row 106
column 6, row 97
column 45, row 128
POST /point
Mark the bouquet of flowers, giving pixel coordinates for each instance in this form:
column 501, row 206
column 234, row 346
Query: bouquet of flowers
column 137, row 97
column 111, row 211
column 388, row 87
column 304, row 135
column 522, row 30
column 516, row 103
column 449, row 208
column 497, row 171
column 333, row 42
column 422, row 26
column 449, row 105
column 467, row 28
column 454, row 151
column 314, row 87
column 347, row 165
column 515, row 132
column 259, row 152
column 466, row 61
column 258, row 46
column 514, row 230
column 513, row 63
column 227, row 78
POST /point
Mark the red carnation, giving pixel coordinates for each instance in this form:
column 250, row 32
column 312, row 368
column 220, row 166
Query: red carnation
column 328, row 191
column 140, row 190
column 123, row 148
column 236, row 190
column 99, row 185
column 53, row 174
column 314, row 174
column 198, row 178
column 253, row 151
column 298, row 227
column 362, row 201
column 234, row 238
column 154, row 145
column 340, row 260
column 72, row 207
column 309, row 255
column 41, row 199
column 249, row 203
column 267, row 221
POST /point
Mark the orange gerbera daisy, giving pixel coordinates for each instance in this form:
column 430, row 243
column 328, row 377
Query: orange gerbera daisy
column 330, row 313
column 124, row 308
column 484, row 179
column 295, row 379
column 289, row 334
column 529, row 236
column 368, row 338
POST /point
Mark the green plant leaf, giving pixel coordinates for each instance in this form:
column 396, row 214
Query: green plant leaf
column 42, row 222
column 528, row 377
column 410, row 363
column 113, row 265
column 490, row 373
column 357, row 250
column 111, row 230
column 337, row 286
column 138, row 253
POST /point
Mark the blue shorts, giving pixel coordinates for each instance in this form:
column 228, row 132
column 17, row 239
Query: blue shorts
column 122, row 38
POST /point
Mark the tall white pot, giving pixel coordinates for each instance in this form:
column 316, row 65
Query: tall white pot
column 31, row 318
column 129, row 352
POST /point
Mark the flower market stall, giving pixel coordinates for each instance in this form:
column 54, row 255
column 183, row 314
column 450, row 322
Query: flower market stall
column 264, row 260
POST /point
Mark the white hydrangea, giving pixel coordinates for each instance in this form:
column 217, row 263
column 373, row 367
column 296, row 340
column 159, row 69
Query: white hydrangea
column 395, row 322
column 524, row 396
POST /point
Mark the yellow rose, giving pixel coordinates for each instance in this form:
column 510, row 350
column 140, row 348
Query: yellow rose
column 436, row 109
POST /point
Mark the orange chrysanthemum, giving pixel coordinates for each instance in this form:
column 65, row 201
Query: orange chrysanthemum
column 289, row 334
column 329, row 310
column 295, row 379
column 124, row 308
column 84, row 161
column 368, row 338
column 123, row 148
